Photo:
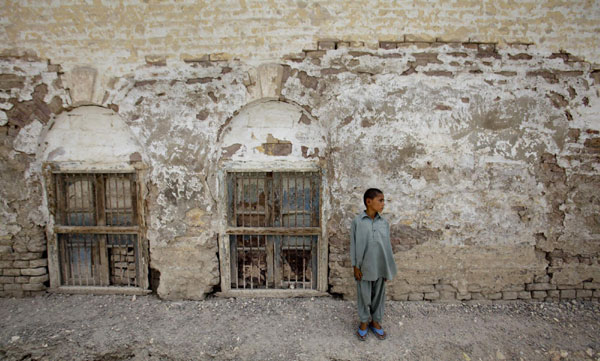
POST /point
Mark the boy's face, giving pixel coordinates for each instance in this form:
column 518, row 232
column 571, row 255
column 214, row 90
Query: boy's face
column 376, row 203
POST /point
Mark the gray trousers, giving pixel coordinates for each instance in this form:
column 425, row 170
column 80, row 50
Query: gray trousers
column 370, row 299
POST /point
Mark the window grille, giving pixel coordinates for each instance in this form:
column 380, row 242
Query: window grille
column 273, row 227
column 97, row 228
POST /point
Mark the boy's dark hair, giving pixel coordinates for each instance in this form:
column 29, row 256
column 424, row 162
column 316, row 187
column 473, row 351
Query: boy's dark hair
column 370, row 194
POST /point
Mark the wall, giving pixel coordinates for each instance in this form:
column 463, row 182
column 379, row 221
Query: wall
column 487, row 151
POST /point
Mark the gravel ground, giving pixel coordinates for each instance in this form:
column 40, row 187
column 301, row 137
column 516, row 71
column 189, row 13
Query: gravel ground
column 82, row 327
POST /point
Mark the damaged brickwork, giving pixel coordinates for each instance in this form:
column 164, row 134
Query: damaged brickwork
column 488, row 157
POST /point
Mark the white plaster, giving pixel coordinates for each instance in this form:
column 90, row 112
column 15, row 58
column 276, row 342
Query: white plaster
column 27, row 140
column 89, row 135
column 3, row 118
column 258, row 121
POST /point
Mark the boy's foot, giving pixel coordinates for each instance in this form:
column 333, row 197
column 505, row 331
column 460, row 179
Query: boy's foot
column 362, row 331
column 378, row 330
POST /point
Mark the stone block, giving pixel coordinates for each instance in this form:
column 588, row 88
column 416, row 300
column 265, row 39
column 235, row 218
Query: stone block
column 34, row 287
column 431, row 295
column 7, row 279
column 11, row 272
column 13, row 287
column 33, row 271
column 541, row 279
column 596, row 293
column 415, row 296
column 81, row 82
column 540, row 286
column 539, row 294
column 463, row 296
column 568, row 293
column 477, row 296
column 6, row 264
column 524, row 295
column 514, row 288
column 21, row 264
column 38, row 262
column 22, row 279
column 509, row 295
column 28, row 256
column 553, row 293
column 5, row 249
column 584, row 293
column 494, row 296
column 400, row 297
column 38, row 279
column 447, row 295
column 444, row 287
column 591, row 285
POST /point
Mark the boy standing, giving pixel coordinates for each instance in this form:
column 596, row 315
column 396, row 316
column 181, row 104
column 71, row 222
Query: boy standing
column 373, row 262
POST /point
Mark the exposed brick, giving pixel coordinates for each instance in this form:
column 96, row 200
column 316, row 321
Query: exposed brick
column 545, row 74
column 539, row 294
column 540, row 286
column 38, row 279
column 7, row 279
column 591, row 285
column 199, row 80
column 439, row 73
column 431, row 295
column 11, row 272
column 22, row 279
column 327, row 45
column 387, row 45
column 34, row 287
column 22, row 264
column 553, row 293
column 568, row 293
column 13, row 287
column 415, row 296
column 524, row 295
column 494, row 296
column 34, row 271
column 584, row 293
column 509, row 295
column 520, row 56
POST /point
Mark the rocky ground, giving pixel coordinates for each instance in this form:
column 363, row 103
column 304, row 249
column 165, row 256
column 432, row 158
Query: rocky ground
column 78, row 327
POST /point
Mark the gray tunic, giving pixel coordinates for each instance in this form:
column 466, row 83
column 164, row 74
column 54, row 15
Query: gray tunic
column 370, row 247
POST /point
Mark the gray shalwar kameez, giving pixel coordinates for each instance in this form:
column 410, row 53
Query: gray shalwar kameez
column 371, row 252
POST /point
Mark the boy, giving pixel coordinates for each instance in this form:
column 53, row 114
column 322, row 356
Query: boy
column 373, row 262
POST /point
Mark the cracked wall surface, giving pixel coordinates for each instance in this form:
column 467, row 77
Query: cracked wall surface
column 488, row 152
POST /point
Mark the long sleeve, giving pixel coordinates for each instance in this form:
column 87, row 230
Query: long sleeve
column 353, row 243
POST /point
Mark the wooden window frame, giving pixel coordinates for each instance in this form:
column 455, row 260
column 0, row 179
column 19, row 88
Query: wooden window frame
column 227, row 230
column 54, row 229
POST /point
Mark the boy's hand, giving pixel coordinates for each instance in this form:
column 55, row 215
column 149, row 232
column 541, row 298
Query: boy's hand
column 357, row 273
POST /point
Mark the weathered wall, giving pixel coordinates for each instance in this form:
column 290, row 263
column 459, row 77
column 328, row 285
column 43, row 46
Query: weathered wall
column 488, row 152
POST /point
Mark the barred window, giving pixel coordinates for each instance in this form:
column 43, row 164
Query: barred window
column 98, row 229
column 273, row 228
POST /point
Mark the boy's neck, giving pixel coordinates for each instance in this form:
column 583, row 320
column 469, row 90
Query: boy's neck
column 371, row 213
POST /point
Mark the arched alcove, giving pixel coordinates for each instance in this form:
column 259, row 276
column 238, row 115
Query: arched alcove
column 90, row 136
column 268, row 131
column 273, row 199
column 93, row 171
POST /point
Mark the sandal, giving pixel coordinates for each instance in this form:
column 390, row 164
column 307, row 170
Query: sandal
column 379, row 332
column 362, row 334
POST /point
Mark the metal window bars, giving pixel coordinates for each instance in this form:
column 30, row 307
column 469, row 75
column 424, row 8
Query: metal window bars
column 97, row 229
column 274, row 227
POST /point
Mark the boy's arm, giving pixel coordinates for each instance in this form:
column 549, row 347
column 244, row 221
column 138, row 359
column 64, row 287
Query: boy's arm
column 353, row 244
column 357, row 272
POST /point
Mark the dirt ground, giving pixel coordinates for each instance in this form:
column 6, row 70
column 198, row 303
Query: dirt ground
column 82, row 327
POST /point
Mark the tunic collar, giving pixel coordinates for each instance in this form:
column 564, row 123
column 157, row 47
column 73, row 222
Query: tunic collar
column 364, row 214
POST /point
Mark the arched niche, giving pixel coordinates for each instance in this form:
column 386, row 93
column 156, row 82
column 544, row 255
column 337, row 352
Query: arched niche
column 272, row 132
column 90, row 137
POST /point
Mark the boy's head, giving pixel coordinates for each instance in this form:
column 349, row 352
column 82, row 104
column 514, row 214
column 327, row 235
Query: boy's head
column 373, row 199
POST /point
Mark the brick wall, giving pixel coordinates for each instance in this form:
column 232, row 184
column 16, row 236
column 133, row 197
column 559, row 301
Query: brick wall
column 115, row 36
